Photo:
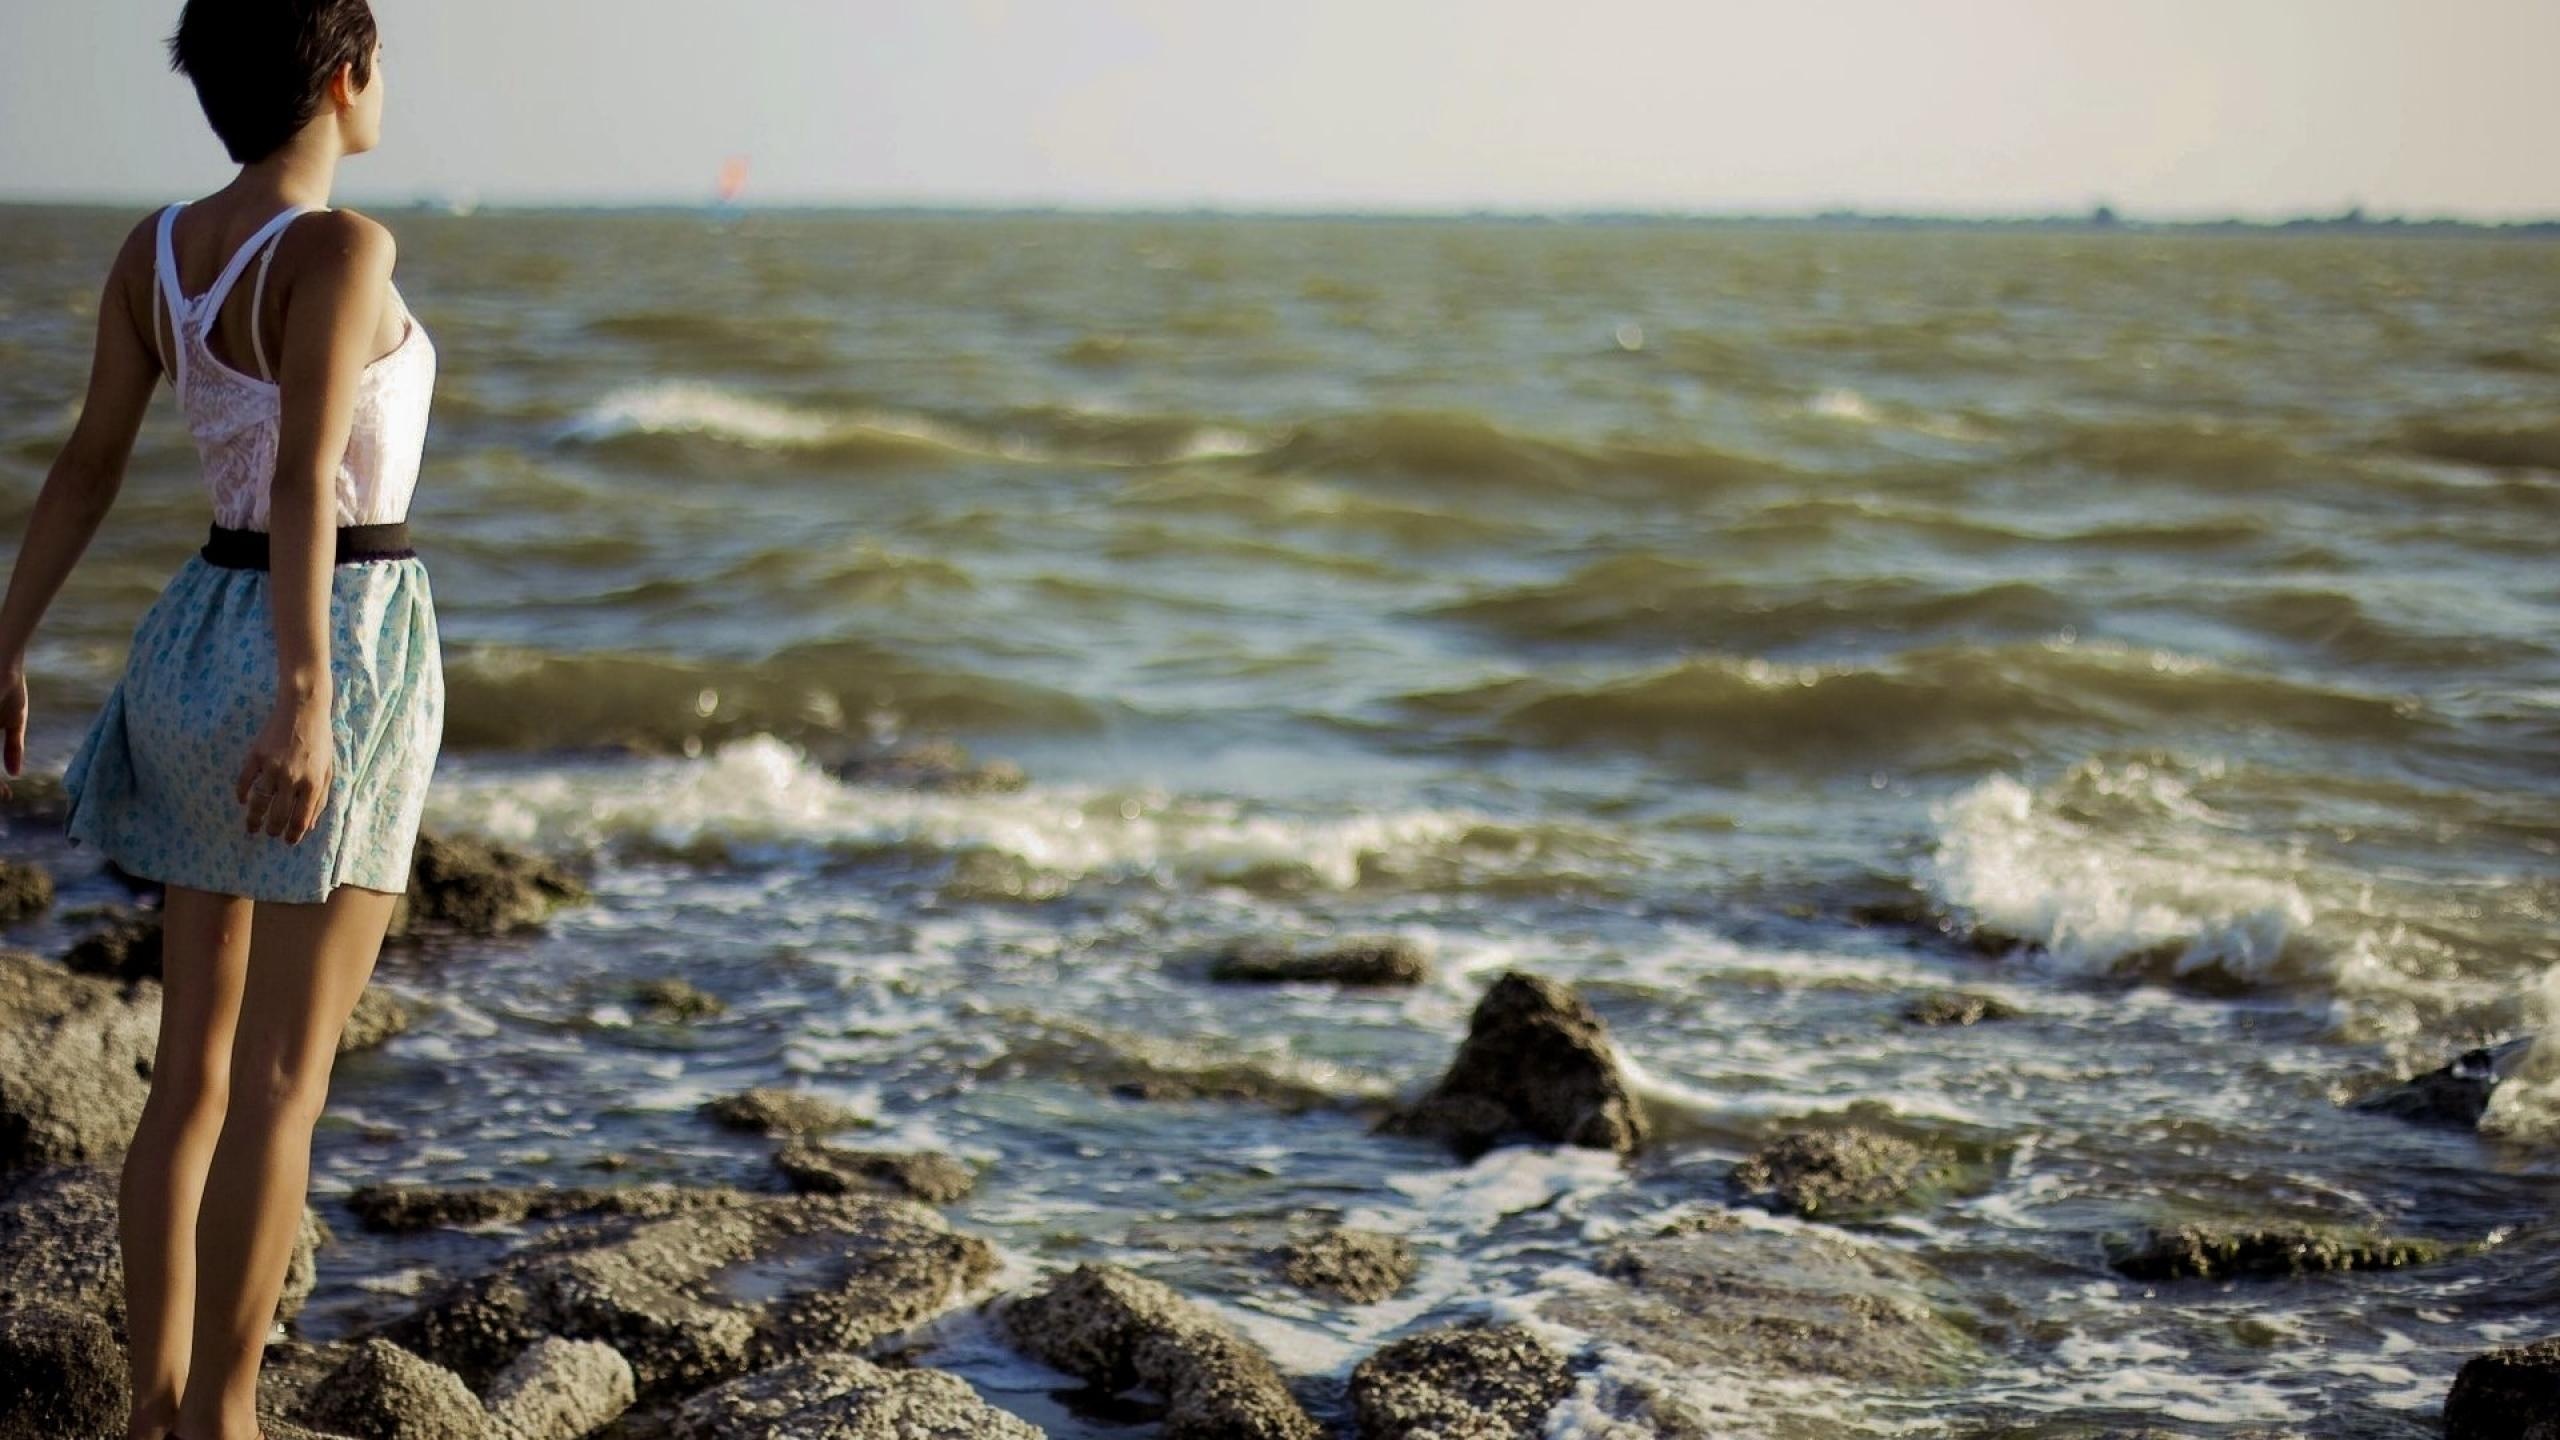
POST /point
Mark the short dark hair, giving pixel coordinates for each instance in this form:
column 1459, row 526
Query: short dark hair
column 262, row 67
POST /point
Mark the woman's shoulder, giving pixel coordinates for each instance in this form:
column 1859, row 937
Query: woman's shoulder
column 349, row 236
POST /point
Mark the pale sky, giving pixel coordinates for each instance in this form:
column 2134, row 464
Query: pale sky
column 2165, row 108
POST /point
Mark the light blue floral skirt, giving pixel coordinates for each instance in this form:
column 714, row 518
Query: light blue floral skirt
column 152, row 784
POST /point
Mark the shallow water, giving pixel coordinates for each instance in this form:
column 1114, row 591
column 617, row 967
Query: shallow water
column 1634, row 604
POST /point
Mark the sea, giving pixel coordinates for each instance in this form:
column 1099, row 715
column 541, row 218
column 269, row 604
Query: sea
column 1756, row 626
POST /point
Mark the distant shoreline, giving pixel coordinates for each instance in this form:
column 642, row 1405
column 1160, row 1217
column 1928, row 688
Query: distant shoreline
column 2100, row 220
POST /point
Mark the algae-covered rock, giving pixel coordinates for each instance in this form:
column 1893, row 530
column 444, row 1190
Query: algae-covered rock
column 1536, row 1062
column 1118, row 1330
column 1459, row 1382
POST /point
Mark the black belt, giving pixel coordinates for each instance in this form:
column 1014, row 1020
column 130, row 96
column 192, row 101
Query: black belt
column 247, row 549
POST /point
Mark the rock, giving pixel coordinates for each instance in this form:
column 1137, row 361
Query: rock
column 459, row 883
column 75, row 1062
column 126, row 948
column 1138, row 1066
column 705, row 1295
column 383, row 1392
column 1118, row 1330
column 927, row 1175
column 670, row 1001
column 62, row 1373
column 940, row 765
column 1361, row 1266
column 1711, row 1291
column 1846, row 1173
column 1387, row 961
column 403, row 1208
column 1459, row 1382
column 59, row 1243
column 2205, row 1252
column 2509, row 1394
column 26, row 891
column 559, row 1390
column 1956, row 1007
column 2454, row 1094
column 378, row 1016
column 1537, row 1060
column 773, row 1110
column 835, row 1396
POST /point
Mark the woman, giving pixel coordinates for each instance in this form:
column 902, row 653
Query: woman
column 265, row 753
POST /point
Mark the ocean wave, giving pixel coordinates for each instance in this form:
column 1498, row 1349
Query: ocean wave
column 2209, row 909
column 761, row 797
column 1647, row 596
column 1458, row 447
column 512, row 698
column 690, row 420
column 2515, row 444
column 1946, row 705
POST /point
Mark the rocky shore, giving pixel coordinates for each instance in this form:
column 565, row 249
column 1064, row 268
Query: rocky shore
column 663, row 1311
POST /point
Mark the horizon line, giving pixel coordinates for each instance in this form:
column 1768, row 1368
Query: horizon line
column 2099, row 214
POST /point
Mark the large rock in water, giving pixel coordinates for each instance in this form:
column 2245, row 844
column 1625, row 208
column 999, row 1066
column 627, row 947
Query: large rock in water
column 61, row 1374
column 2510, row 1394
column 1848, row 1173
column 1119, row 1330
column 706, row 1295
column 2456, row 1093
column 59, row 1243
column 1536, row 1061
column 459, row 883
column 2206, row 1252
column 1460, row 1382
column 1715, row 1293
column 75, row 1062
column 844, row 1397
column 26, row 891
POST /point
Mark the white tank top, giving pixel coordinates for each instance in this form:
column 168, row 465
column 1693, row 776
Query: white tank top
column 234, row 416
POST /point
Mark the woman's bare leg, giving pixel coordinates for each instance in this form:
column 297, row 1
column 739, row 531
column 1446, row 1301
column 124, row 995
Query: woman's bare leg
column 307, row 966
column 204, row 953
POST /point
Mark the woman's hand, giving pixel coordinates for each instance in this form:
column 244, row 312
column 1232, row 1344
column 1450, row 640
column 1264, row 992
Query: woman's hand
column 286, row 778
column 13, row 717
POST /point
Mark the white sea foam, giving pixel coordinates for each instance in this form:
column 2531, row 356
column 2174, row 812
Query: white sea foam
column 762, row 793
column 2094, row 898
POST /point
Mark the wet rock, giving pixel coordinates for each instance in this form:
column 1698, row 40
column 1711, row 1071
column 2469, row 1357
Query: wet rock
column 61, row 1373
column 940, row 765
column 773, row 1110
column 844, row 1397
column 1118, row 1330
column 1461, row 1382
column 403, row 1208
column 59, row 1243
column 1379, row 962
column 1361, row 1266
column 1835, row 1174
column 1956, row 1007
column 1536, row 1060
column 378, row 1016
column 927, row 1175
column 75, row 1061
column 383, row 1392
column 2453, row 1094
column 703, row 1296
column 126, row 947
column 671, row 1001
column 26, row 891
column 1159, row 1068
column 2206, row 1252
column 2509, row 1394
column 469, row 885
column 560, row 1390
column 1713, row 1292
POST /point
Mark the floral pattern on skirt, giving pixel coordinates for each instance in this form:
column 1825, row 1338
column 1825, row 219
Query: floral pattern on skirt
column 151, row 785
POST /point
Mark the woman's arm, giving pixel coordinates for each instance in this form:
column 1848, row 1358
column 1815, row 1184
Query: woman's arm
column 330, row 311
column 84, row 479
